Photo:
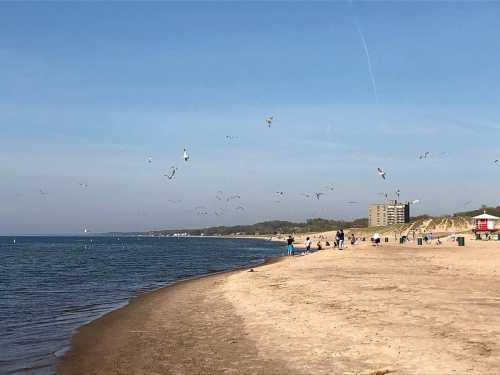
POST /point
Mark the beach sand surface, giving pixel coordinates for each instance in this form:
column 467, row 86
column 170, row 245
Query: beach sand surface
column 393, row 309
column 187, row 328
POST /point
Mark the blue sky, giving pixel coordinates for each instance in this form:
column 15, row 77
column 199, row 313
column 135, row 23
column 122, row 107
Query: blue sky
column 91, row 90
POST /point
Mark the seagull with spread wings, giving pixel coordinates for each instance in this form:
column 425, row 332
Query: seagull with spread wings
column 381, row 173
column 171, row 174
column 269, row 121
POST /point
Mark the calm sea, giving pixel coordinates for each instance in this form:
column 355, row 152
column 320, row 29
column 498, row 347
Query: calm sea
column 49, row 286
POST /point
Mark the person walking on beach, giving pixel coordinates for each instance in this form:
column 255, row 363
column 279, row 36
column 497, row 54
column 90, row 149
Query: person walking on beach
column 307, row 244
column 341, row 239
column 337, row 239
column 290, row 246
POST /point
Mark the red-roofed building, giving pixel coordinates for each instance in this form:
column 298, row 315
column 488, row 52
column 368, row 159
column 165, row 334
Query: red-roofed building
column 485, row 223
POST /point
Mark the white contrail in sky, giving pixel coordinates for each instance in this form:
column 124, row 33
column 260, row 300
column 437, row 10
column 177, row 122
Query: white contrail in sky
column 367, row 53
column 368, row 60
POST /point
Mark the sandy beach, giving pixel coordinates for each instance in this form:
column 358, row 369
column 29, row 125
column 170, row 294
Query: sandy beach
column 394, row 309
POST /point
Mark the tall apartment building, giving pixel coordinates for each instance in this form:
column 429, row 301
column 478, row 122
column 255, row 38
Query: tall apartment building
column 388, row 213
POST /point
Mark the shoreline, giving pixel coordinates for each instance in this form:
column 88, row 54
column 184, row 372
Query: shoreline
column 366, row 310
column 86, row 334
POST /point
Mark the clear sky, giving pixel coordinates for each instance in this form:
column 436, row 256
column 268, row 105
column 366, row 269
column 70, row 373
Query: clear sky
column 89, row 91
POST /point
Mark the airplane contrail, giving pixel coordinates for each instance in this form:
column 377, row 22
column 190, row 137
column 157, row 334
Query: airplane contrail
column 368, row 59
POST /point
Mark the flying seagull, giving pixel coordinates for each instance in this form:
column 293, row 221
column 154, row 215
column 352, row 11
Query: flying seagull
column 425, row 155
column 305, row 195
column 185, row 156
column 330, row 187
column 280, row 193
column 240, row 208
column 150, row 160
column 496, row 161
column 236, row 196
column 83, row 185
column 269, row 121
column 352, row 202
column 318, row 195
column 43, row 192
column 171, row 174
column 381, row 172
column 415, row 201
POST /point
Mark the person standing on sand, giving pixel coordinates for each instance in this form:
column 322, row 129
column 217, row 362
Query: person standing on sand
column 307, row 244
column 353, row 239
column 290, row 246
column 341, row 239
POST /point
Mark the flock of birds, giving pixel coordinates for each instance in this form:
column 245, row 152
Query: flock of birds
column 228, row 203
column 202, row 210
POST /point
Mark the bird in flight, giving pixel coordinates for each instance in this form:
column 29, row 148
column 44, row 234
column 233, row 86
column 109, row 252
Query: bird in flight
column 352, row 202
column 269, row 121
column 318, row 195
column 240, row 208
column 236, row 196
column 150, row 160
column 171, row 175
column 280, row 193
column 175, row 201
column 231, row 137
column 381, row 173
column 43, row 192
column 305, row 195
column 330, row 187
column 185, row 156
column 84, row 185
column 415, row 201
column 496, row 161
column 425, row 155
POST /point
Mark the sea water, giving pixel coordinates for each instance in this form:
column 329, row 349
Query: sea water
column 50, row 286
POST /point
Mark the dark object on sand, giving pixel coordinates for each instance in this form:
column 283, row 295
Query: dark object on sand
column 251, row 270
column 461, row 241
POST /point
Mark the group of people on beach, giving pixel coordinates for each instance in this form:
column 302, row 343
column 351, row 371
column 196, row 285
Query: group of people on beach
column 338, row 243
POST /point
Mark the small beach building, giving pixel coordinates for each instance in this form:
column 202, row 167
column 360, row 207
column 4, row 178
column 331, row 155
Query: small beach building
column 485, row 223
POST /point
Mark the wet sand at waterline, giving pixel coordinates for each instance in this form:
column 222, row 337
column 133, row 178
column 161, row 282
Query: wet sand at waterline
column 394, row 309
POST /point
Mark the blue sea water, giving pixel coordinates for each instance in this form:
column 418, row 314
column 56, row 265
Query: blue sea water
column 50, row 286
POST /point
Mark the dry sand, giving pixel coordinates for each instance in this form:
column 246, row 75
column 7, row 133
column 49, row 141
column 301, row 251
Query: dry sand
column 397, row 309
